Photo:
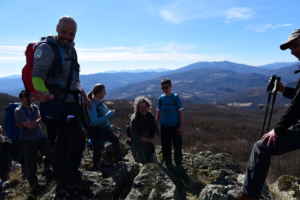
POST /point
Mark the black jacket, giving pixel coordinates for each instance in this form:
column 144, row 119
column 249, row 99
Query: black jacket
column 292, row 115
column 143, row 126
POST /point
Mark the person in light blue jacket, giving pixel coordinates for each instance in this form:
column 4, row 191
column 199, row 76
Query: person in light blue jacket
column 100, row 130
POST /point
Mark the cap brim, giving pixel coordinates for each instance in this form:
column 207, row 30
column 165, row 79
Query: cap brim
column 286, row 45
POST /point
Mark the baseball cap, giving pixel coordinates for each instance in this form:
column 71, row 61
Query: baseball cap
column 294, row 36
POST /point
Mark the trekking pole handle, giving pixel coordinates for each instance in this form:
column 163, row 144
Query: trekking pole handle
column 276, row 83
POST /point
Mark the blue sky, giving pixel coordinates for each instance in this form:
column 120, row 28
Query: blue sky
column 118, row 35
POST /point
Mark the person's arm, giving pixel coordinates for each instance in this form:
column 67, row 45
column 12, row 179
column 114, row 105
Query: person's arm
column 42, row 62
column 290, row 117
column 38, row 117
column 21, row 120
column 289, row 92
column 96, row 120
column 133, row 127
column 180, row 109
column 181, row 119
column 158, row 110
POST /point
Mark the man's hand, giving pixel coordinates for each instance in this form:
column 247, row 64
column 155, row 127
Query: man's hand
column 280, row 86
column 42, row 97
column 270, row 137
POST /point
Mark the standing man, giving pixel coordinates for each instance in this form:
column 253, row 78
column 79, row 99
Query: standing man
column 280, row 140
column 56, row 77
column 170, row 116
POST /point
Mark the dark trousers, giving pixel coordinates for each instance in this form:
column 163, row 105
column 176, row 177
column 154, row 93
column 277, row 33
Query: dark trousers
column 52, row 129
column 170, row 138
column 30, row 151
column 69, row 145
column 260, row 160
column 5, row 160
column 143, row 152
column 99, row 136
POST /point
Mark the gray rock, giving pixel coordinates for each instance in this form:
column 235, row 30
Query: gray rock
column 152, row 183
column 286, row 188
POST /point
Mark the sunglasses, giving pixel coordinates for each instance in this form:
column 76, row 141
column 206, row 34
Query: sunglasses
column 72, row 34
column 165, row 87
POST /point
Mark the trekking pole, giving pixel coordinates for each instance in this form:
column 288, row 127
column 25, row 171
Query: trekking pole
column 269, row 90
column 274, row 91
column 266, row 113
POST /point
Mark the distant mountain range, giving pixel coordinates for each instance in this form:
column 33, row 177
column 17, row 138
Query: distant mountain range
column 215, row 82
column 201, row 82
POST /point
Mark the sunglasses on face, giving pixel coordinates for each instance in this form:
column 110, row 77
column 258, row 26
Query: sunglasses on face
column 72, row 34
column 165, row 87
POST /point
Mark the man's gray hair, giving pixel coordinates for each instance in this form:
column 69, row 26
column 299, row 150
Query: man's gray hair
column 66, row 19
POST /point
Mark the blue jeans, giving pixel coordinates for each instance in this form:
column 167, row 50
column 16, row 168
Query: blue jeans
column 260, row 159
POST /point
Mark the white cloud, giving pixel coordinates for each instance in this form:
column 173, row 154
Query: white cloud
column 266, row 27
column 170, row 16
column 171, row 55
column 170, row 52
column 180, row 11
column 239, row 14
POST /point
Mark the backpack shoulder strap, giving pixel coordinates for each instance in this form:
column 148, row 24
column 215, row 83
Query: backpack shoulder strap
column 56, row 66
column 57, row 63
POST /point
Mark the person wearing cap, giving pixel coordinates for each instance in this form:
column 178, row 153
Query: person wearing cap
column 282, row 139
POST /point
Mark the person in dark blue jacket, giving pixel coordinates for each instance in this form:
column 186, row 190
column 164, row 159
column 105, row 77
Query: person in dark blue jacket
column 100, row 130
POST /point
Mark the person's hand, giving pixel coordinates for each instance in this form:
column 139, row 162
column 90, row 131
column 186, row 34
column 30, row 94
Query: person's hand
column 27, row 124
column 34, row 124
column 280, row 86
column 110, row 113
column 42, row 97
column 270, row 137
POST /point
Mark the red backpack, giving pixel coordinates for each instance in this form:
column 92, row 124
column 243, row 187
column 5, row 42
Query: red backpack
column 27, row 69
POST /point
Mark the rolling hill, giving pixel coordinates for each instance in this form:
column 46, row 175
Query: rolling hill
column 201, row 82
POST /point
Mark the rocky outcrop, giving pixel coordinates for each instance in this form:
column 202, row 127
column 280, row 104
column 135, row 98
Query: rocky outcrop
column 203, row 176
column 286, row 188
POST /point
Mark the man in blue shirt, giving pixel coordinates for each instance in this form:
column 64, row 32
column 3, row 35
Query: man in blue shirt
column 170, row 117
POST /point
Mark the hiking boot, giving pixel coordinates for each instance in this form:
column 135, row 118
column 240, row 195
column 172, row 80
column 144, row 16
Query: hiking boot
column 239, row 195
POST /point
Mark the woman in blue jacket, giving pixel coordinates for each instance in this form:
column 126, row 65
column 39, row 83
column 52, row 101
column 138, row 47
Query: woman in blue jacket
column 100, row 125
